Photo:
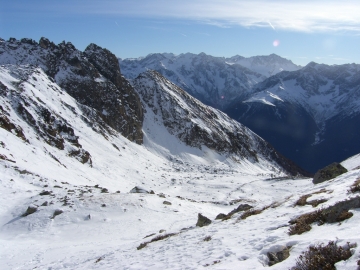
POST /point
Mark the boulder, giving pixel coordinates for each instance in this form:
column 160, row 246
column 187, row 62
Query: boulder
column 138, row 189
column 220, row 216
column 30, row 210
column 57, row 212
column 329, row 172
column 202, row 221
column 278, row 256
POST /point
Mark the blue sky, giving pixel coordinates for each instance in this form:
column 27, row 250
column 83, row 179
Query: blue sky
column 324, row 31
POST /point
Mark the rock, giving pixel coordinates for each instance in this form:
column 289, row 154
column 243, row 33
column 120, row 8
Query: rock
column 104, row 190
column 57, row 212
column 161, row 231
column 329, row 172
column 241, row 207
column 45, row 203
column 45, row 192
column 202, row 221
column 220, row 216
column 138, row 189
column 166, row 202
column 279, row 256
column 30, row 210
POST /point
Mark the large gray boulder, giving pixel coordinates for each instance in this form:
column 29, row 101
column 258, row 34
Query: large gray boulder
column 202, row 221
column 329, row 172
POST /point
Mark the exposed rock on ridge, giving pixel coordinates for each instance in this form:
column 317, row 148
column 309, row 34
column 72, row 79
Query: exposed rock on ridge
column 92, row 77
column 199, row 125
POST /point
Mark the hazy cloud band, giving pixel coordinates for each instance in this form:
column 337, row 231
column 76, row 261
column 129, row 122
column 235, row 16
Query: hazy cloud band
column 304, row 16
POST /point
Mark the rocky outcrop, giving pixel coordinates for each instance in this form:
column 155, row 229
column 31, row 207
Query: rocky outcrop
column 202, row 221
column 92, row 77
column 329, row 172
column 43, row 118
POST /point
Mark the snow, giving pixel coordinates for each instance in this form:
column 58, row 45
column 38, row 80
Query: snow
column 352, row 162
column 319, row 91
column 100, row 230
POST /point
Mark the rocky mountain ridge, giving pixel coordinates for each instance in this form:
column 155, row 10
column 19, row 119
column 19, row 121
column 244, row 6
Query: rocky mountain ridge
column 201, row 126
column 92, row 77
column 216, row 81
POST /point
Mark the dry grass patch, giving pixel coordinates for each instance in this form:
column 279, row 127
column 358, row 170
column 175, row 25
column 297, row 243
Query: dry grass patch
column 323, row 257
column 253, row 212
column 249, row 213
column 302, row 200
column 355, row 187
column 157, row 238
column 303, row 223
column 315, row 203
column 335, row 213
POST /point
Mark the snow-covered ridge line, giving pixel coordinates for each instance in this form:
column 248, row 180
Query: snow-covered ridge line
column 216, row 81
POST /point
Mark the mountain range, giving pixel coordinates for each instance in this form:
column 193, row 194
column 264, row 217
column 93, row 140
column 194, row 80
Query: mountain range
column 309, row 114
column 216, row 81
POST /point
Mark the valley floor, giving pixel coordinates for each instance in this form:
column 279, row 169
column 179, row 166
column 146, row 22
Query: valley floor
column 101, row 229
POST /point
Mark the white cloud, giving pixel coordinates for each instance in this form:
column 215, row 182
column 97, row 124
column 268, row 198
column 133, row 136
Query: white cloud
column 305, row 15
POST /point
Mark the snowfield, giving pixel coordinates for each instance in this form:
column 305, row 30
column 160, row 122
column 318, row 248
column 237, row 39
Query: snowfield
column 86, row 217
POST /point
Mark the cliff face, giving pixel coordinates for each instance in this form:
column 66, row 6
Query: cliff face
column 92, row 77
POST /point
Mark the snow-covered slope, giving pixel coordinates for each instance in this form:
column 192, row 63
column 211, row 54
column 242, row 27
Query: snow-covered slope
column 266, row 65
column 216, row 81
column 310, row 115
column 86, row 218
column 203, row 127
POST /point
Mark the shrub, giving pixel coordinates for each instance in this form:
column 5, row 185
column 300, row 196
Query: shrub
column 251, row 213
column 323, row 257
column 303, row 223
column 315, row 203
column 335, row 213
column 302, row 200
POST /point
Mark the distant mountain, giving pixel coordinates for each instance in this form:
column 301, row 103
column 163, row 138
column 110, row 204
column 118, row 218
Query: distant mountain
column 311, row 115
column 216, row 81
column 266, row 65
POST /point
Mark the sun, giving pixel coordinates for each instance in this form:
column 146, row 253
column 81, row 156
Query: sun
column 276, row 43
